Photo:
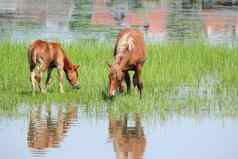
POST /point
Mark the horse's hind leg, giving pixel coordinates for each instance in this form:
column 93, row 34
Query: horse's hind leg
column 138, row 80
column 134, row 80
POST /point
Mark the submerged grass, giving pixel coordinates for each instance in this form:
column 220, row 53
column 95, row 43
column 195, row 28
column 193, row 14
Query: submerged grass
column 175, row 76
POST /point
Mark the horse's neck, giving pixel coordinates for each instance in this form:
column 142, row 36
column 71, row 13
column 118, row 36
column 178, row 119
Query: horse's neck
column 122, row 61
column 67, row 63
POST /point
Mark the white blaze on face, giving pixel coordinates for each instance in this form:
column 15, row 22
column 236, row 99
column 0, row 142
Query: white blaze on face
column 113, row 92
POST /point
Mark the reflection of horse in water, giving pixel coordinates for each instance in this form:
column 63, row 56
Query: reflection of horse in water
column 48, row 127
column 129, row 141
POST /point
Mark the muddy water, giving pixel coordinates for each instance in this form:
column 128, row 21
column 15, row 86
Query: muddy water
column 67, row 131
column 176, row 20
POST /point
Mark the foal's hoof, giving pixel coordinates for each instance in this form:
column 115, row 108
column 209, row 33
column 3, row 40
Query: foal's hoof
column 43, row 91
column 61, row 92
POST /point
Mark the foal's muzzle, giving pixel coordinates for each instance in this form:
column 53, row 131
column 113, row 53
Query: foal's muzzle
column 76, row 87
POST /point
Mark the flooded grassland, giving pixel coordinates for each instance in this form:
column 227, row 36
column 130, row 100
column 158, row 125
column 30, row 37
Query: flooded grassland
column 189, row 108
column 175, row 75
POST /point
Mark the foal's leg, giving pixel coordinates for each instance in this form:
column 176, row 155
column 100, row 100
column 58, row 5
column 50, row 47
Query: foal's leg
column 128, row 81
column 61, row 78
column 48, row 78
column 41, row 85
column 40, row 72
column 138, row 79
column 33, row 80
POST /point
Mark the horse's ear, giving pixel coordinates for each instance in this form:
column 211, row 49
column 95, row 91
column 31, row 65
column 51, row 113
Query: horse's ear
column 109, row 65
column 76, row 67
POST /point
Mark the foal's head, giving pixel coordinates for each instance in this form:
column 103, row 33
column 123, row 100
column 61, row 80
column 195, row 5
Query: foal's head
column 115, row 78
column 72, row 75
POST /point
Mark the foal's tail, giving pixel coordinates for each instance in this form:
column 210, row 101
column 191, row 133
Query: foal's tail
column 32, row 57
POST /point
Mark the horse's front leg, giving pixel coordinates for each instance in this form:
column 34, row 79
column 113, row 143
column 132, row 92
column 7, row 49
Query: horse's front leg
column 128, row 81
column 61, row 78
column 138, row 81
column 48, row 79
column 122, row 86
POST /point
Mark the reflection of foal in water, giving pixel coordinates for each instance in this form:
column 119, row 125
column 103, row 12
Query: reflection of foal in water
column 130, row 55
column 44, row 56
column 129, row 141
column 47, row 131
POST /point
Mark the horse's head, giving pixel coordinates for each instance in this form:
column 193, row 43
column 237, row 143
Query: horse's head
column 72, row 76
column 115, row 78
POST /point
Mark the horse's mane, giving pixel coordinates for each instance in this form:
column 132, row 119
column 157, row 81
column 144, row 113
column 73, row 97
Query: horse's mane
column 67, row 62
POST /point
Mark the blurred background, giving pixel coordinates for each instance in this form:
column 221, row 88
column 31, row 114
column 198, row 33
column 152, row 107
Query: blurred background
column 215, row 21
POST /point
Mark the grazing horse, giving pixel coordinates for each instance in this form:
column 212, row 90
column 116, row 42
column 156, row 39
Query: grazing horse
column 44, row 56
column 130, row 55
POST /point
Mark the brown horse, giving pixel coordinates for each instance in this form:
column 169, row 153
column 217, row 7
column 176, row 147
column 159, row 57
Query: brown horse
column 130, row 54
column 44, row 56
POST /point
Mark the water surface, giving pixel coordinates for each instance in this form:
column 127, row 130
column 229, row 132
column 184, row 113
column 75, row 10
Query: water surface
column 68, row 131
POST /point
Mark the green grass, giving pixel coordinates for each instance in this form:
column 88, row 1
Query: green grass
column 176, row 77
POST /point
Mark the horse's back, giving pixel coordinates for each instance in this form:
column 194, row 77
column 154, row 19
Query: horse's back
column 34, row 51
column 48, row 52
column 135, row 45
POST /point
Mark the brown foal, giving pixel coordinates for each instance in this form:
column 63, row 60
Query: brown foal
column 44, row 56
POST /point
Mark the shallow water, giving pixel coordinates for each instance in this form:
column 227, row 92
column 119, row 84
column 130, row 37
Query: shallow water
column 68, row 131
column 70, row 20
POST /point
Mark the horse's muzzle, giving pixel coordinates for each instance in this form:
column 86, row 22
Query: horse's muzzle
column 111, row 97
column 112, row 93
column 76, row 87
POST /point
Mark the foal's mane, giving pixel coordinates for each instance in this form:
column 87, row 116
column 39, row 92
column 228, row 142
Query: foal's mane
column 67, row 63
